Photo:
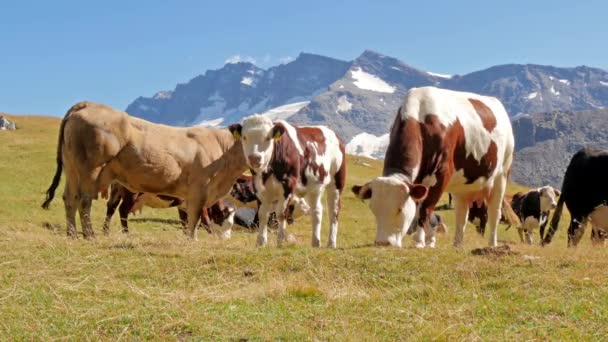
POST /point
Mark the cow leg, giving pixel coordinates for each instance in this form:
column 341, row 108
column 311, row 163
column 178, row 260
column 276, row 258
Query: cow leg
column 263, row 214
column 461, row 213
column 194, row 212
column 183, row 217
column 333, row 211
column 520, row 231
column 123, row 211
column 84, row 210
column 494, row 208
column 70, row 201
column 543, row 225
column 316, row 215
column 483, row 221
column 110, row 209
column 279, row 210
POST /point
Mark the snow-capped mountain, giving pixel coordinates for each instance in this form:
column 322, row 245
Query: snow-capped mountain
column 238, row 89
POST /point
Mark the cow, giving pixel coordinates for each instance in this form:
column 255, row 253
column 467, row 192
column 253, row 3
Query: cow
column 289, row 163
column 244, row 192
column 99, row 145
column 585, row 193
column 533, row 209
column 478, row 215
column 217, row 219
column 441, row 140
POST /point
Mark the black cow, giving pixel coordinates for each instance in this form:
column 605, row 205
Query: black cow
column 585, row 192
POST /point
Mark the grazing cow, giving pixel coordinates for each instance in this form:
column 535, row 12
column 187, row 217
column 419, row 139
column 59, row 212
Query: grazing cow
column 585, row 193
column 441, row 140
column 99, row 145
column 218, row 219
column 289, row 162
column 533, row 209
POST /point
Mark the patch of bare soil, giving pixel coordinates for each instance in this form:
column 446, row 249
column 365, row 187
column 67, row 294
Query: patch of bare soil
column 495, row 251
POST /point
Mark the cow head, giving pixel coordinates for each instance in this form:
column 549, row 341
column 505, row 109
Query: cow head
column 258, row 135
column 548, row 197
column 393, row 203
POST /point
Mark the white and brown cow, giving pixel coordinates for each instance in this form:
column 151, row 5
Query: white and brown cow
column 293, row 163
column 441, row 140
column 533, row 209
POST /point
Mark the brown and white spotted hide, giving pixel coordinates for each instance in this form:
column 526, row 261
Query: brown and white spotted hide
column 441, row 140
column 297, row 164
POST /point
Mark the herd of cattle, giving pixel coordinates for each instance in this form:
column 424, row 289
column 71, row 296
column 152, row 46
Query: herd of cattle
column 440, row 141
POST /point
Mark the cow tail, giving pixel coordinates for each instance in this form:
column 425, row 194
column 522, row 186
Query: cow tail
column 557, row 215
column 50, row 193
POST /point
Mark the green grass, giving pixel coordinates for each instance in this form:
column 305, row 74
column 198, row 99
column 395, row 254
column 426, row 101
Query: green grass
column 155, row 284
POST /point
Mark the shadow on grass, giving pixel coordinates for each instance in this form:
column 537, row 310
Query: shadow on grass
column 156, row 220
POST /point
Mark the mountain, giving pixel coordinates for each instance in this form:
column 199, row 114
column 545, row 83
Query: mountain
column 238, row 89
column 545, row 142
column 359, row 99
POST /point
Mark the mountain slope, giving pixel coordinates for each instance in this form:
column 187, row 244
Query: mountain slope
column 239, row 89
column 545, row 142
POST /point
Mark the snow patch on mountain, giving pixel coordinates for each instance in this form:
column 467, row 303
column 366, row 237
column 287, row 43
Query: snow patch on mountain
column 566, row 82
column 446, row 76
column 532, row 95
column 343, row 104
column 247, row 81
column 604, row 83
column 368, row 145
column 366, row 81
column 285, row 111
column 163, row 95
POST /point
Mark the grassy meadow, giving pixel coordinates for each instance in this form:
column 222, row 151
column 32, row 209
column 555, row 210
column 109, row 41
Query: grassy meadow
column 155, row 284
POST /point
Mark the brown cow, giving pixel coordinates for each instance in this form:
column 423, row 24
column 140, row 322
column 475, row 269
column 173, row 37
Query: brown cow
column 218, row 219
column 99, row 145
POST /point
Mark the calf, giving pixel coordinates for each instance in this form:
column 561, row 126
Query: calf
column 219, row 218
column 441, row 140
column 478, row 215
column 289, row 163
column 585, row 193
column 243, row 191
column 533, row 209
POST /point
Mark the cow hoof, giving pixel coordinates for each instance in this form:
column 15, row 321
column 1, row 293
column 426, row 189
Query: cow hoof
column 419, row 245
column 316, row 243
column 261, row 242
column 431, row 244
column 331, row 244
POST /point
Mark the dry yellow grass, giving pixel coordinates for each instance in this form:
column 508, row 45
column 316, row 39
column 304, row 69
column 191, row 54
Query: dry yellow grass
column 155, row 284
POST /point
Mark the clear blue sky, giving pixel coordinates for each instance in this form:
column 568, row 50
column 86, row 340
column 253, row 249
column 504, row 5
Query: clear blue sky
column 55, row 53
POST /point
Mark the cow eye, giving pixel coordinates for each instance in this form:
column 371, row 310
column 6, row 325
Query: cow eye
column 245, row 138
column 399, row 211
column 268, row 138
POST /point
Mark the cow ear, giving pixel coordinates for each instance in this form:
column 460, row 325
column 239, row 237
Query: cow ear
column 362, row 192
column 236, row 129
column 418, row 192
column 557, row 192
column 277, row 131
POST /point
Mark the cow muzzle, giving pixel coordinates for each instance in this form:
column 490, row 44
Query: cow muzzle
column 255, row 161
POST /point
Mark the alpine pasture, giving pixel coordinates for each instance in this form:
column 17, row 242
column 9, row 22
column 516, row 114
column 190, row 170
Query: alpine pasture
column 157, row 284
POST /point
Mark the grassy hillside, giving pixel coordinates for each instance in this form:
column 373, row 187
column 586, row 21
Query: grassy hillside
column 156, row 284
